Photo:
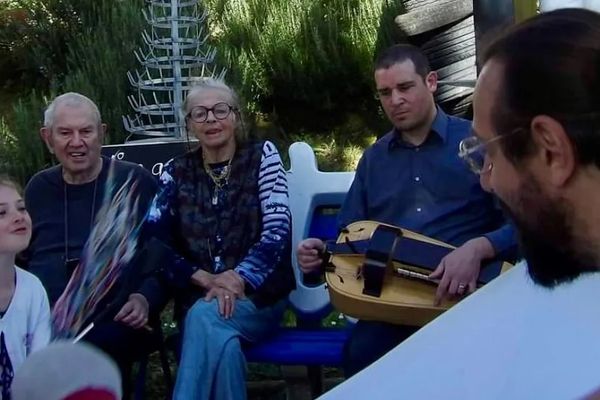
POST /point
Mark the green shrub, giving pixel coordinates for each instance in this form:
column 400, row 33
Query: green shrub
column 99, row 59
column 307, row 62
column 23, row 152
column 66, row 45
column 303, row 66
column 8, row 144
column 34, row 39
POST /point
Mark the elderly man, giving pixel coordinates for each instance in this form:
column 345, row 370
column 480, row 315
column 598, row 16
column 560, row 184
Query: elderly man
column 532, row 333
column 413, row 178
column 63, row 202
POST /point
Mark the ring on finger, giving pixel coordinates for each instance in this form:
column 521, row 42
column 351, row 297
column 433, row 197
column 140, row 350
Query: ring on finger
column 461, row 286
column 227, row 297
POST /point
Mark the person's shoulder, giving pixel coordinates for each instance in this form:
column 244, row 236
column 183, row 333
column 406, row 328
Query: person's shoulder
column 257, row 147
column 459, row 121
column 43, row 180
column 459, row 126
column 179, row 165
column 32, row 282
column 46, row 176
column 122, row 166
column 148, row 184
column 184, row 158
column 381, row 144
column 267, row 148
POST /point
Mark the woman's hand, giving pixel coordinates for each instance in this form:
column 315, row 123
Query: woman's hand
column 203, row 279
column 225, row 298
column 231, row 281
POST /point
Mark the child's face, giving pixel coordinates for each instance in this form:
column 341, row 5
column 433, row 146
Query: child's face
column 15, row 223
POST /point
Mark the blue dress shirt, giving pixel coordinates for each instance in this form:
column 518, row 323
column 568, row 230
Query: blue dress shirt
column 427, row 189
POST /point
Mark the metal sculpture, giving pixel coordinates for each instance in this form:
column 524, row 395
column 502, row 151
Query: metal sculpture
column 176, row 55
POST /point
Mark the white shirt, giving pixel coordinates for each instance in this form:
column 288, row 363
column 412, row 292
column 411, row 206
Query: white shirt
column 26, row 322
column 511, row 339
column 549, row 5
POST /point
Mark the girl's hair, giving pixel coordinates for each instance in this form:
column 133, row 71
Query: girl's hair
column 5, row 180
column 207, row 84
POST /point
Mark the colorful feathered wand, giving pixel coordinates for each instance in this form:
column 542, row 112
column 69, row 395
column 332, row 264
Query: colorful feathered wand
column 110, row 247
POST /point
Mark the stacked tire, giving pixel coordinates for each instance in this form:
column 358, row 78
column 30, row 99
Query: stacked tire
column 444, row 29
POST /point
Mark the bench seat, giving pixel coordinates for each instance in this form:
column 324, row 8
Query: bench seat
column 297, row 346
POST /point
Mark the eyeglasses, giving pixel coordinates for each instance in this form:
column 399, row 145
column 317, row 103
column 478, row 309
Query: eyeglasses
column 199, row 114
column 473, row 150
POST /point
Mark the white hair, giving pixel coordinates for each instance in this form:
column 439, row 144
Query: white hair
column 70, row 99
column 207, row 84
column 210, row 84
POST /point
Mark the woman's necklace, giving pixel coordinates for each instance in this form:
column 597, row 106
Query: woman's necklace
column 220, row 179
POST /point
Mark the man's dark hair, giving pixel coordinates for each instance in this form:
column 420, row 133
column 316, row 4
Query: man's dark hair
column 551, row 66
column 400, row 53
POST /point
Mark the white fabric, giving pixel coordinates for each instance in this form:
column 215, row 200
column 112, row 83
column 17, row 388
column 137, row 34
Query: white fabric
column 26, row 323
column 510, row 340
column 63, row 368
column 549, row 5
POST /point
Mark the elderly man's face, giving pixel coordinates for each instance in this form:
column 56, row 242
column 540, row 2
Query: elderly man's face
column 543, row 219
column 75, row 138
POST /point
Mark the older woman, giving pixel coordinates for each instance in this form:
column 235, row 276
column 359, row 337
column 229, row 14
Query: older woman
column 223, row 209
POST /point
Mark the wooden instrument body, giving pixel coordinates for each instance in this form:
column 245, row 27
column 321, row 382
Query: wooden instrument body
column 402, row 301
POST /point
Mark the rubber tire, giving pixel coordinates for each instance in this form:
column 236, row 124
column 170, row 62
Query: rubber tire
column 450, row 49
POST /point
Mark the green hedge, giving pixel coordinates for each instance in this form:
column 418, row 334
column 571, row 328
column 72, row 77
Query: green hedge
column 303, row 67
column 307, row 62
column 58, row 46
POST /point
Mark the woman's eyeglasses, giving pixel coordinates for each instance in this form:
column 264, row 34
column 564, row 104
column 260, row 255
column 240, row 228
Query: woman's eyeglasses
column 199, row 114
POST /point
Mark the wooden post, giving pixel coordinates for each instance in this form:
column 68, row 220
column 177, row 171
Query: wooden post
column 524, row 9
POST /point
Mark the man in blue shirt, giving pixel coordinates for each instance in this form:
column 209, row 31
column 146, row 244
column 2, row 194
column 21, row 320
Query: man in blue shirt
column 413, row 178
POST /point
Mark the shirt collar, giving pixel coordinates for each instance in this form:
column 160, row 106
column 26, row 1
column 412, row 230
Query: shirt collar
column 440, row 124
column 439, row 127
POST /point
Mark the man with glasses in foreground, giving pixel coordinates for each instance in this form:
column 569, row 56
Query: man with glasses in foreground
column 413, row 178
column 533, row 332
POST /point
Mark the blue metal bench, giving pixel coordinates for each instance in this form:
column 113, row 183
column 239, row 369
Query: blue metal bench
column 315, row 197
column 297, row 346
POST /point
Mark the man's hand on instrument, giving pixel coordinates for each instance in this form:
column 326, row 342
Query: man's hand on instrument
column 134, row 313
column 459, row 270
column 225, row 298
column 231, row 281
column 308, row 254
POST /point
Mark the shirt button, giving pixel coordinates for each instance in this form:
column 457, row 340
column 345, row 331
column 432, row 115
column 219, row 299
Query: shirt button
column 416, row 149
column 419, row 209
column 417, row 178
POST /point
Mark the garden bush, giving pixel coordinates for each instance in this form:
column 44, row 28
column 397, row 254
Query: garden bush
column 302, row 66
